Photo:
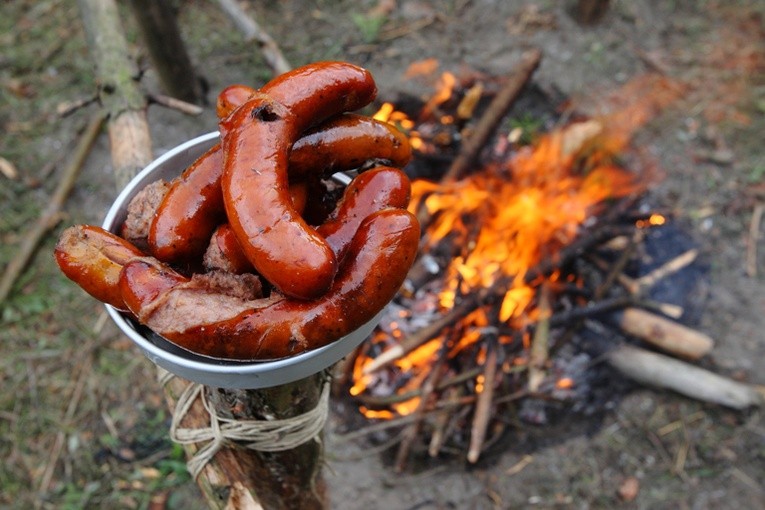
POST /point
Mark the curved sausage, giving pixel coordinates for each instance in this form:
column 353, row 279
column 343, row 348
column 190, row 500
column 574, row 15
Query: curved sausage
column 379, row 257
column 231, row 98
column 345, row 142
column 93, row 258
column 372, row 191
column 368, row 192
column 190, row 211
column 256, row 140
column 320, row 90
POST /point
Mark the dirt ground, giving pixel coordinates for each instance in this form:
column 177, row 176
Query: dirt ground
column 82, row 420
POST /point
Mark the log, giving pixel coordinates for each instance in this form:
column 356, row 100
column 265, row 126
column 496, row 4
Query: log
column 662, row 371
column 118, row 91
column 667, row 335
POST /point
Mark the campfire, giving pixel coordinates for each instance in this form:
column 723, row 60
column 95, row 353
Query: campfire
column 521, row 247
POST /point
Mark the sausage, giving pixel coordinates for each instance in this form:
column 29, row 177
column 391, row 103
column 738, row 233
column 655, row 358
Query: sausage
column 193, row 207
column 225, row 253
column 320, row 90
column 372, row 191
column 189, row 212
column 379, row 257
column 368, row 192
column 345, row 142
column 231, row 98
column 93, row 258
column 277, row 241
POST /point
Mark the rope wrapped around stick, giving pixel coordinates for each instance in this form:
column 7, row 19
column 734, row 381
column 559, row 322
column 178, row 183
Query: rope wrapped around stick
column 259, row 435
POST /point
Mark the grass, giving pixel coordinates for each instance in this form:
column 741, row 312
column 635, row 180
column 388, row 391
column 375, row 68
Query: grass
column 68, row 374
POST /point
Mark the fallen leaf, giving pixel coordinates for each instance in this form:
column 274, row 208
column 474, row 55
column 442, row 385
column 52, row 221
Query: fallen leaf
column 629, row 489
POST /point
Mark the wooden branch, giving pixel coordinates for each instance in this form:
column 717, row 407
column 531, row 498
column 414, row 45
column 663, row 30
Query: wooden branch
column 667, row 335
column 421, row 336
column 669, row 373
column 160, row 31
column 483, row 407
column 254, row 32
column 175, row 104
column 493, row 115
column 50, row 216
column 118, row 91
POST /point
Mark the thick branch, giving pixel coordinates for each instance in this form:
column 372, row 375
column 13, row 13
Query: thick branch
column 118, row 89
column 160, row 31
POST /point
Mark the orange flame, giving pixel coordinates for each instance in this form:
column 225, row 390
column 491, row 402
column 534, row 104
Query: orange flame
column 504, row 219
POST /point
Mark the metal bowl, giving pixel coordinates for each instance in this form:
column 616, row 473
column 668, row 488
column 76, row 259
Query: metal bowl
column 202, row 369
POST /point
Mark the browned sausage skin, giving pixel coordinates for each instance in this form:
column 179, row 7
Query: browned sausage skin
column 93, row 258
column 379, row 256
column 283, row 248
column 345, row 142
column 320, row 90
column 190, row 211
column 367, row 193
column 231, row 98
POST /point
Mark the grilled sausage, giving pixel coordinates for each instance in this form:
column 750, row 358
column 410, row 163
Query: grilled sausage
column 189, row 212
column 231, row 98
column 277, row 241
column 93, row 258
column 345, row 142
column 379, row 257
column 368, row 192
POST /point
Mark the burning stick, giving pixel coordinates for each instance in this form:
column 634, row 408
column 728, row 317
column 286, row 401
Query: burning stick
column 411, row 342
column 647, row 281
column 490, row 120
column 669, row 373
column 539, row 345
column 483, row 405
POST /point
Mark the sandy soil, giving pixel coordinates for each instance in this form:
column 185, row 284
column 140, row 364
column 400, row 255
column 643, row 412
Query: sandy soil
column 678, row 452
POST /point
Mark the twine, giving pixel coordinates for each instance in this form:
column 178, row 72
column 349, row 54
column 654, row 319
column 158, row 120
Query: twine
column 259, row 435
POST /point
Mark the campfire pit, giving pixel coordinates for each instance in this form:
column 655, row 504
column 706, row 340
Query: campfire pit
column 533, row 268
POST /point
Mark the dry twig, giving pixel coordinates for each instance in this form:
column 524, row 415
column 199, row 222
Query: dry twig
column 254, row 32
column 50, row 216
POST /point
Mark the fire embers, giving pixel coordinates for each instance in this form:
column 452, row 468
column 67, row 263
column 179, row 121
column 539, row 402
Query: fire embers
column 507, row 273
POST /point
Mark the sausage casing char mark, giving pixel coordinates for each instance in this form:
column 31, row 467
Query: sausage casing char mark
column 317, row 91
column 93, row 258
column 367, row 193
column 379, row 257
column 189, row 212
column 256, row 140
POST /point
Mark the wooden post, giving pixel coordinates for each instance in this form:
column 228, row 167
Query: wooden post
column 235, row 477
column 159, row 28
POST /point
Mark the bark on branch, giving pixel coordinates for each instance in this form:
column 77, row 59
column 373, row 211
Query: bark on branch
column 118, row 90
